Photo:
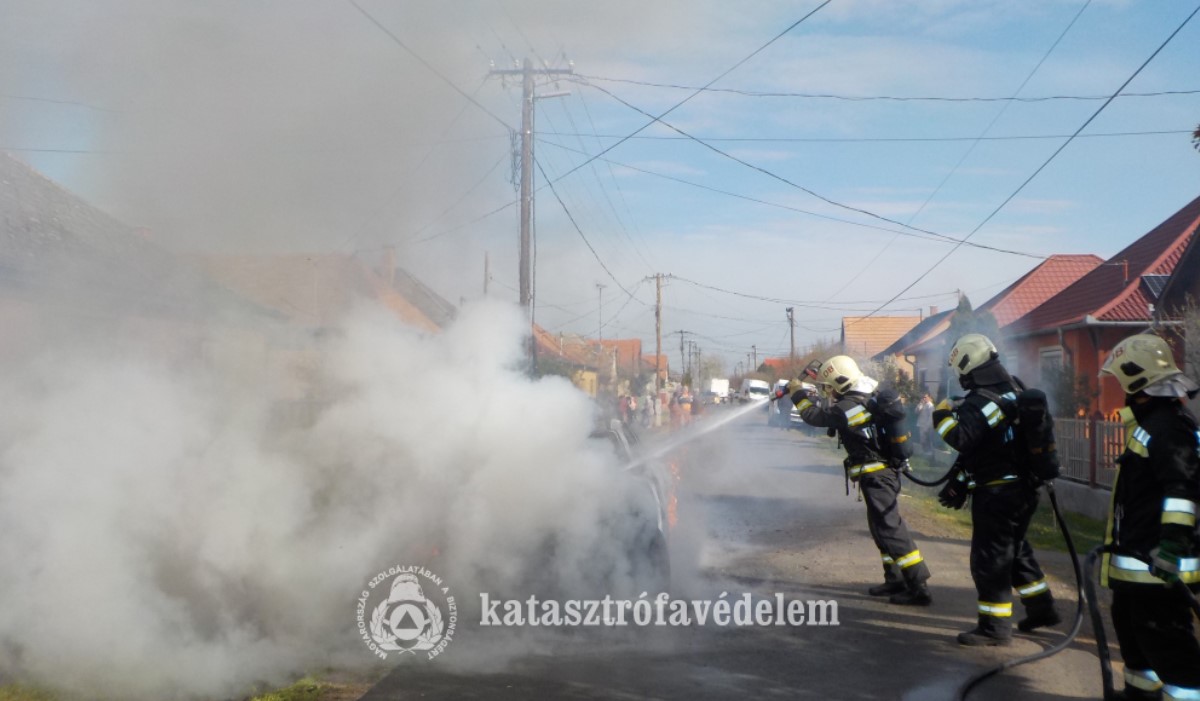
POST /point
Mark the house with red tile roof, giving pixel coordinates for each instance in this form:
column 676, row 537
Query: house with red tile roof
column 925, row 346
column 1078, row 327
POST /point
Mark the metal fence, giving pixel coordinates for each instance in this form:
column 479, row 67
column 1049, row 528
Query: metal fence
column 1088, row 449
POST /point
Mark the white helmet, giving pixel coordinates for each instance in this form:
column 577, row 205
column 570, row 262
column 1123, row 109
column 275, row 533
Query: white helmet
column 839, row 373
column 971, row 351
column 1140, row 361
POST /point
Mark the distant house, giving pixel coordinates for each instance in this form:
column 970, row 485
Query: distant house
column 925, row 347
column 781, row 367
column 663, row 363
column 1078, row 327
column 917, row 353
column 865, row 336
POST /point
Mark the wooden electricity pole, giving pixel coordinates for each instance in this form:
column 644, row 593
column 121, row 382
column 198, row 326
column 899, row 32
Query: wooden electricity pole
column 527, row 73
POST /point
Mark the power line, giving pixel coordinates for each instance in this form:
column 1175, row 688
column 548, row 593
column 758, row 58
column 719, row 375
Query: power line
column 716, row 139
column 928, row 236
column 52, row 101
column 802, row 303
column 454, row 205
column 771, row 174
column 970, row 150
column 878, row 98
column 879, row 139
column 687, row 99
column 1047, row 162
column 580, row 231
column 395, row 39
column 387, row 201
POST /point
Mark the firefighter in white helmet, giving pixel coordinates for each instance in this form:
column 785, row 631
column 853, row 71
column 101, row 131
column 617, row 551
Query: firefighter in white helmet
column 1152, row 534
column 1004, row 494
column 870, row 426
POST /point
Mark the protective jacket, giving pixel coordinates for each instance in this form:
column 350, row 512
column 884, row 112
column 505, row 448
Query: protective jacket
column 1157, row 491
column 981, row 432
column 869, row 426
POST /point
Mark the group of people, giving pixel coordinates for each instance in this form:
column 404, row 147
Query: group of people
column 1152, row 544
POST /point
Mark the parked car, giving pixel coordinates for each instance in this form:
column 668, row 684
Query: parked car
column 754, row 391
column 646, row 525
column 781, row 412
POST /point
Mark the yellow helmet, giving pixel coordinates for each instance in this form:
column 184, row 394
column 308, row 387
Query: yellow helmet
column 839, row 373
column 1140, row 361
column 971, row 351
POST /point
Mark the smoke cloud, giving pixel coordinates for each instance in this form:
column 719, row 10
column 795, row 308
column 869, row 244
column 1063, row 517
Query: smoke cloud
column 166, row 538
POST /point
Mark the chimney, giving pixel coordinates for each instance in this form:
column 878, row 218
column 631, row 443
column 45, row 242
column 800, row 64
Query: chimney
column 387, row 265
column 933, row 310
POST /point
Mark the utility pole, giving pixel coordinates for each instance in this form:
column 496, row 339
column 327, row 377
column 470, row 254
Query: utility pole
column 657, row 332
column 527, row 73
column 682, row 360
column 600, row 313
column 792, row 329
column 486, row 273
column 754, row 351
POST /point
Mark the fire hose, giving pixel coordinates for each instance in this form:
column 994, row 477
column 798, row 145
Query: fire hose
column 1086, row 593
column 1079, row 610
column 1106, row 676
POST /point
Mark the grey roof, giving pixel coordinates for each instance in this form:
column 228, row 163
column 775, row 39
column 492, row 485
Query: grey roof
column 55, row 246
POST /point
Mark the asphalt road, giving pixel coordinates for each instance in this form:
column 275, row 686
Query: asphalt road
column 764, row 512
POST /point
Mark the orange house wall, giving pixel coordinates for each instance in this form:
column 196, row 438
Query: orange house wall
column 1087, row 349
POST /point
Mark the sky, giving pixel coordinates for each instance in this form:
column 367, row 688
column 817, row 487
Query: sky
column 331, row 125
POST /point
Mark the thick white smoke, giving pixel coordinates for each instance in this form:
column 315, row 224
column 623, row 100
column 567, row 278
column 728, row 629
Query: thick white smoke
column 164, row 538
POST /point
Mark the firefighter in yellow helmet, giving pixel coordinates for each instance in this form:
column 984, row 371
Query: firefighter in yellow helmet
column 1152, row 534
column 1004, row 494
column 870, row 426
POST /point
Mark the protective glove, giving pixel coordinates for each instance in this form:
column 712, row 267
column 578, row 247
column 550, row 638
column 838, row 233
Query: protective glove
column 955, row 492
column 1164, row 560
column 799, row 392
column 945, row 405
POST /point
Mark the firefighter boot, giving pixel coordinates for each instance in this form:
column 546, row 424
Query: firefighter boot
column 916, row 594
column 892, row 584
column 1132, row 693
column 989, row 632
column 1140, row 685
column 1039, row 613
column 887, row 589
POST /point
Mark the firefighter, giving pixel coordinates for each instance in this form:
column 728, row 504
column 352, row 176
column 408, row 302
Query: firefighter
column 869, row 425
column 1004, row 494
column 1152, row 534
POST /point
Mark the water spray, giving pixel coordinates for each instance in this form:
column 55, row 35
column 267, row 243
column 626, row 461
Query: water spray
column 687, row 436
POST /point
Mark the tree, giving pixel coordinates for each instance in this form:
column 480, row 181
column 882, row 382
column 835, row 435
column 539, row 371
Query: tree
column 1070, row 394
column 964, row 321
column 1196, row 139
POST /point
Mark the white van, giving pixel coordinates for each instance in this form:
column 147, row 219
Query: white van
column 754, row 391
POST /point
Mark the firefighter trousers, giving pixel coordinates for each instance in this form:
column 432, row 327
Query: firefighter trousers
column 1154, row 629
column 1001, row 558
column 902, row 560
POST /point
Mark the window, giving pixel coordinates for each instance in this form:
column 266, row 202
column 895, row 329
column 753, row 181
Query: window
column 1050, row 361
